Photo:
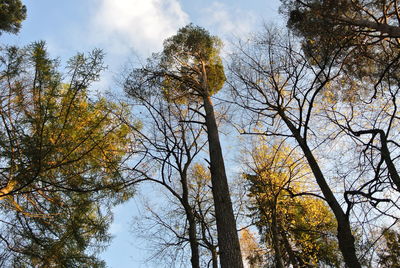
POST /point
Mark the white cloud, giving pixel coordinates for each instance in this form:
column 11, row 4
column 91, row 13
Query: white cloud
column 229, row 21
column 140, row 25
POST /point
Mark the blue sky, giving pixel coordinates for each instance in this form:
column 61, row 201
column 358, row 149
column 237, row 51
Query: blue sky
column 126, row 30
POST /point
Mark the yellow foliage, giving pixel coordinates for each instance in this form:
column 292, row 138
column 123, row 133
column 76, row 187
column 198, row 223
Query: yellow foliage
column 306, row 221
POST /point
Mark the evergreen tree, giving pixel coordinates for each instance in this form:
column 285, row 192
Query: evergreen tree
column 12, row 13
column 60, row 155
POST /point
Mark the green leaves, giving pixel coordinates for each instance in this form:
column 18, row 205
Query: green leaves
column 389, row 253
column 191, row 42
column 191, row 63
column 12, row 13
column 61, row 152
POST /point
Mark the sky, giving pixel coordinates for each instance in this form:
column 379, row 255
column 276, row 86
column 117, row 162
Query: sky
column 129, row 31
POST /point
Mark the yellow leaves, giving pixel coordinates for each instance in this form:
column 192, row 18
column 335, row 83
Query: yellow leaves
column 10, row 201
column 7, row 189
column 329, row 96
column 200, row 176
column 250, row 248
column 52, row 139
column 52, row 159
column 278, row 166
column 278, row 173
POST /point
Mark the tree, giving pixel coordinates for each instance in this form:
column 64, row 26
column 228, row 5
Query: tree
column 367, row 34
column 369, row 19
column 371, row 129
column 190, row 69
column 166, row 228
column 60, row 160
column 202, row 202
column 12, row 13
column 171, row 144
column 279, row 89
column 365, row 31
column 252, row 252
column 389, row 254
column 295, row 224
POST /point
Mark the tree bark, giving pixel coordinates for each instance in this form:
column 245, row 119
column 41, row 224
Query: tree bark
column 390, row 30
column 228, row 239
column 214, row 256
column 289, row 250
column 389, row 162
column 275, row 239
column 194, row 245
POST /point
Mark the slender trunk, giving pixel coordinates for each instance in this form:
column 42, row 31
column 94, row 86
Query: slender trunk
column 388, row 160
column 228, row 239
column 214, row 256
column 194, row 245
column 289, row 250
column 344, row 235
column 275, row 240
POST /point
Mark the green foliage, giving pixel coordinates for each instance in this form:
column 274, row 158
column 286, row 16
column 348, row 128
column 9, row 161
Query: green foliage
column 12, row 13
column 192, row 63
column 60, row 154
column 389, row 255
column 67, row 236
column 187, row 69
column 191, row 42
column 361, row 35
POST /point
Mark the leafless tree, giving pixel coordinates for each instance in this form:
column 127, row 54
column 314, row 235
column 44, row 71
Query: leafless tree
column 280, row 89
column 167, row 144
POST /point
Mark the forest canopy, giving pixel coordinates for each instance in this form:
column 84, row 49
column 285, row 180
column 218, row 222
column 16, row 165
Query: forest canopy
column 280, row 151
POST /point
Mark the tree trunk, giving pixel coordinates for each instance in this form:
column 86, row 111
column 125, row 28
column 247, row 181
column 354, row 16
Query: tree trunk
column 214, row 256
column 228, row 239
column 275, row 239
column 344, row 235
column 289, row 250
column 194, row 245
column 389, row 162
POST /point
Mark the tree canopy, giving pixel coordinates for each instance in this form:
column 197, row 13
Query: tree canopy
column 185, row 55
column 12, row 13
column 293, row 223
column 60, row 155
column 189, row 71
column 317, row 104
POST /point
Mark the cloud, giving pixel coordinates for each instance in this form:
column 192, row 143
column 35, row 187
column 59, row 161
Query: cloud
column 140, row 25
column 227, row 20
column 229, row 23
